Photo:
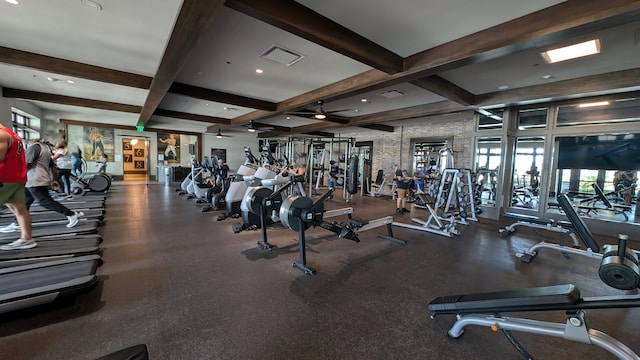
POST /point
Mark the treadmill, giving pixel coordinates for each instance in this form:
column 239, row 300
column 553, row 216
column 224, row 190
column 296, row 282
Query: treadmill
column 44, row 282
column 44, row 216
column 52, row 248
column 83, row 227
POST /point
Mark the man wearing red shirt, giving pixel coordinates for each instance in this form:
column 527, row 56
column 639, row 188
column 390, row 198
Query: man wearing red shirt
column 13, row 176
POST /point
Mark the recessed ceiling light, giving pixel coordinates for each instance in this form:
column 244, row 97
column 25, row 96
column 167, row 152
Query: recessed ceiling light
column 547, row 77
column 259, row 71
column 206, row 104
column 592, row 104
column 288, row 117
column 572, row 51
column 363, row 100
column 503, row 87
column 14, row 2
column 71, row 82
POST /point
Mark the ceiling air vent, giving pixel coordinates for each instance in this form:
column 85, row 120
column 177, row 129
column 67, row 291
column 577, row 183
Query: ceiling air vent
column 281, row 55
column 392, row 94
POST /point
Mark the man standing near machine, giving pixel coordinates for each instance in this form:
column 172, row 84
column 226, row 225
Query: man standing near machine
column 13, row 176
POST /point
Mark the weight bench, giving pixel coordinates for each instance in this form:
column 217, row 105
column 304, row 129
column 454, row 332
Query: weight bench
column 562, row 227
column 591, row 207
column 618, row 269
column 484, row 309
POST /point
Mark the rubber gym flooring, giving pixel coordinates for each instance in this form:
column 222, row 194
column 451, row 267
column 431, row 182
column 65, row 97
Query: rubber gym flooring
column 182, row 283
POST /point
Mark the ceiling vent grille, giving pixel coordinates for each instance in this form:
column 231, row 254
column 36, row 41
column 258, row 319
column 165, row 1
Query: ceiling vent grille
column 281, row 55
column 392, row 94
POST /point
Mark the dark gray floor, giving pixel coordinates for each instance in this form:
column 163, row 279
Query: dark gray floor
column 182, row 283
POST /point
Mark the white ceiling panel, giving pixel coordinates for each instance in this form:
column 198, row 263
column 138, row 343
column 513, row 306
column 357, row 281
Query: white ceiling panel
column 35, row 80
column 202, row 107
column 620, row 50
column 230, row 55
column 407, row 27
column 125, row 35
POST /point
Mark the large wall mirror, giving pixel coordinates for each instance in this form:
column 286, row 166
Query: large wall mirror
column 488, row 161
column 527, row 172
column 599, row 173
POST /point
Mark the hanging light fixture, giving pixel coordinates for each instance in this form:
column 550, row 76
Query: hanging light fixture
column 251, row 128
column 134, row 142
column 320, row 113
column 219, row 134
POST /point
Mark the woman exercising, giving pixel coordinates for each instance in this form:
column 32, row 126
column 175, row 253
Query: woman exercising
column 402, row 181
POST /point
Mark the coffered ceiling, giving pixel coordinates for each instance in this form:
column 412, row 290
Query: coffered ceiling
column 191, row 65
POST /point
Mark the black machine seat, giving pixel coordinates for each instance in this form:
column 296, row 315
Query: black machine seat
column 529, row 218
column 578, row 224
column 558, row 297
column 536, row 220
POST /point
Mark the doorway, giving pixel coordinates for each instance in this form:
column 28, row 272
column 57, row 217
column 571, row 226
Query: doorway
column 135, row 159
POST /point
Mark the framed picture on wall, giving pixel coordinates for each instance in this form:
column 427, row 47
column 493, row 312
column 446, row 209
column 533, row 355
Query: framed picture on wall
column 97, row 141
column 220, row 154
column 169, row 145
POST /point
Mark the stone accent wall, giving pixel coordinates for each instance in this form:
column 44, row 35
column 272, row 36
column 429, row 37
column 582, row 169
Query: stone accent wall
column 391, row 149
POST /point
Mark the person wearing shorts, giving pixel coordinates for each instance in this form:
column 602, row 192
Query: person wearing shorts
column 402, row 181
column 13, row 177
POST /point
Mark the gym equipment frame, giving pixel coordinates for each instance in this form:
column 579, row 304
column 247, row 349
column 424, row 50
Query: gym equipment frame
column 299, row 213
column 618, row 269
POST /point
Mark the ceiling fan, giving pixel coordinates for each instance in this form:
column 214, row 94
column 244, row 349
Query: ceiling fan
column 319, row 114
column 253, row 127
column 220, row 136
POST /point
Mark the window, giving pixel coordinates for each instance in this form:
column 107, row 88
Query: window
column 532, row 119
column 23, row 125
column 600, row 112
column 490, row 119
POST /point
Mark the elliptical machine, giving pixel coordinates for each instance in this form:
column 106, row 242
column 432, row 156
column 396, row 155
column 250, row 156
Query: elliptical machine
column 238, row 186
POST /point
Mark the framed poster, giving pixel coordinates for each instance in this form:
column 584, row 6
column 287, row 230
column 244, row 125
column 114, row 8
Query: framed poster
column 169, row 145
column 97, row 141
column 220, row 154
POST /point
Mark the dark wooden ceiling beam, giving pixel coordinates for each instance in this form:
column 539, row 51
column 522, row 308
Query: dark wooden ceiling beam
column 123, row 127
column 557, row 22
column 379, row 127
column 366, row 81
column 270, row 134
column 188, row 116
column 297, row 19
column 72, row 68
column 323, row 134
column 221, row 97
column 446, row 89
column 516, row 35
column 69, row 100
column 193, row 21
column 565, row 89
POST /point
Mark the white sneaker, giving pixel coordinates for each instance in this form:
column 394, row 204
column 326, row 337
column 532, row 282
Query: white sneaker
column 73, row 220
column 13, row 227
column 19, row 244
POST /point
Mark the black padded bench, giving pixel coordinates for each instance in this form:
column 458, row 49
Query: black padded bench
column 558, row 297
